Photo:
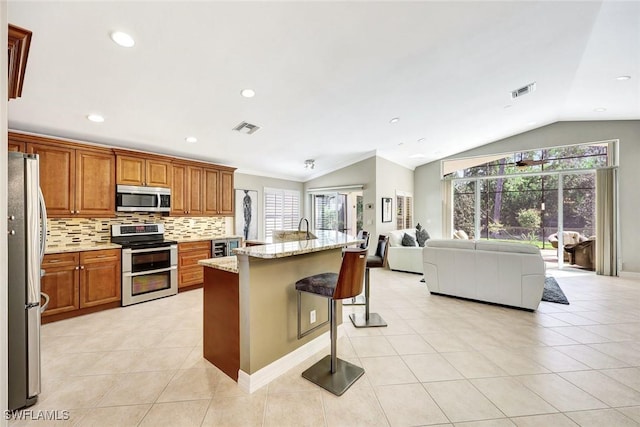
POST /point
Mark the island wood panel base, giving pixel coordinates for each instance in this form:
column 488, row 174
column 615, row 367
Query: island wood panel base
column 221, row 313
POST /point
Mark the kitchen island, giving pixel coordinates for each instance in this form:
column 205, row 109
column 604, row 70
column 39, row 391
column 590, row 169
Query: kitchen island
column 250, row 306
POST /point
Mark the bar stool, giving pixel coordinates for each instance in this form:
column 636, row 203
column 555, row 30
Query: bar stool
column 359, row 299
column 333, row 374
column 371, row 320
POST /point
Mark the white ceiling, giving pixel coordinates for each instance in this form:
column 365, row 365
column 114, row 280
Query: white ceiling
column 328, row 76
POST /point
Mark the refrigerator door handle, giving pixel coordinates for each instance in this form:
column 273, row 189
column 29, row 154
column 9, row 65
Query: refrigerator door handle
column 34, row 235
column 46, row 302
column 43, row 216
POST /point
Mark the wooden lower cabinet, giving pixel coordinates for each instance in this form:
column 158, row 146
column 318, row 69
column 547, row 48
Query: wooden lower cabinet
column 61, row 282
column 81, row 282
column 189, row 253
column 99, row 277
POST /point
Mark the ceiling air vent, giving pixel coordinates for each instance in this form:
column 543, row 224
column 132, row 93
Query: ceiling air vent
column 523, row 90
column 247, row 128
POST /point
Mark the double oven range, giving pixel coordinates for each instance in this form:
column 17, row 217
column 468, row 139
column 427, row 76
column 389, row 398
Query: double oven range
column 149, row 262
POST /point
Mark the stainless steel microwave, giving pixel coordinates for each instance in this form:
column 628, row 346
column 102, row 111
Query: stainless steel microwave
column 133, row 198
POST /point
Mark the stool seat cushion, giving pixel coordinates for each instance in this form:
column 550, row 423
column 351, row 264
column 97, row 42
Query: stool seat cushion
column 323, row 284
column 374, row 261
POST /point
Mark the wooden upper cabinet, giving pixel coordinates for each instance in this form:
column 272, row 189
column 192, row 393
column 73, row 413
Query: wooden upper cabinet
column 76, row 180
column 186, row 191
column 218, row 192
column 178, row 195
column 19, row 41
column 95, row 185
column 211, row 184
column 16, row 146
column 195, row 191
column 226, row 193
column 132, row 170
column 57, row 178
column 158, row 173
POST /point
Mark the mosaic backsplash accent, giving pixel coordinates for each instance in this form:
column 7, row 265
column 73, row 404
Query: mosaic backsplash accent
column 63, row 231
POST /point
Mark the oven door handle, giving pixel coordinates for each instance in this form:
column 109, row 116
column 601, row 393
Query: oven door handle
column 157, row 249
column 143, row 273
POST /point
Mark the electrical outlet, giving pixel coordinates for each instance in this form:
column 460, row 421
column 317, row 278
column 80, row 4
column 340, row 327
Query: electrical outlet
column 312, row 316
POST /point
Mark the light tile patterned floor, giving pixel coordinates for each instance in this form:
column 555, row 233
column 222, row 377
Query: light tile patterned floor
column 441, row 361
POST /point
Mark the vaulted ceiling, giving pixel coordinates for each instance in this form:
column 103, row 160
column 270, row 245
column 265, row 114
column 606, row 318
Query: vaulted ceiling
column 328, row 76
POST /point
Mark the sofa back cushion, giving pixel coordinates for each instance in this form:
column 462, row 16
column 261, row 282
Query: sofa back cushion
column 395, row 236
column 512, row 247
column 451, row 243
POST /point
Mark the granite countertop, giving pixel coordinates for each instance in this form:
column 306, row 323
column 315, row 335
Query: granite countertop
column 326, row 240
column 226, row 263
column 199, row 237
column 79, row 247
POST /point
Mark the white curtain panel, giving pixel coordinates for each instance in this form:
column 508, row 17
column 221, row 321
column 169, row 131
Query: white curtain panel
column 606, row 222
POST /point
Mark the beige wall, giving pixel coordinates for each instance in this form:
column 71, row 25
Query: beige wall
column 390, row 178
column 428, row 199
column 380, row 177
column 258, row 183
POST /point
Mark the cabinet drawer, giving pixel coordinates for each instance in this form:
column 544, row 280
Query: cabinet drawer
column 195, row 246
column 60, row 260
column 106, row 255
column 191, row 258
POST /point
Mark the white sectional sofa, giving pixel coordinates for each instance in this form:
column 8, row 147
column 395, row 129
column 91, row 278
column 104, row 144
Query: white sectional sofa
column 503, row 273
column 404, row 258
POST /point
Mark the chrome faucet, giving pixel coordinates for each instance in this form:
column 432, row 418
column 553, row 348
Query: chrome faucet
column 300, row 226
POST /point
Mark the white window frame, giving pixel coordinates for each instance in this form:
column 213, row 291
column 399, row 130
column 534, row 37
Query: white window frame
column 404, row 210
column 281, row 219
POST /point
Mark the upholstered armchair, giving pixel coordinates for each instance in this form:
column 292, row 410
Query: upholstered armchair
column 582, row 253
column 568, row 238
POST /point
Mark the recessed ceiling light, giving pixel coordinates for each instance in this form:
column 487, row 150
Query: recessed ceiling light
column 191, row 139
column 248, row 93
column 599, row 109
column 623, row 78
column 394, row 120
column 96, row 118
column 422, row 140
column 122, row 39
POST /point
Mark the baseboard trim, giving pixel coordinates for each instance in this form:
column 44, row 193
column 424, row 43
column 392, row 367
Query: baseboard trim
column 264, row 376
column 629, row 274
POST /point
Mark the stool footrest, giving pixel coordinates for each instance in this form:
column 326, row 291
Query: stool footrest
column 357, row 300
column 360, row 320
column 345, row 376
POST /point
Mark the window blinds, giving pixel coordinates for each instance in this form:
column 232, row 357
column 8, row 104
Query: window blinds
column 281, row 210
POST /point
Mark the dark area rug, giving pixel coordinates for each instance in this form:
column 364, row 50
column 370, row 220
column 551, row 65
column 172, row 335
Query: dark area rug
column 552, row 292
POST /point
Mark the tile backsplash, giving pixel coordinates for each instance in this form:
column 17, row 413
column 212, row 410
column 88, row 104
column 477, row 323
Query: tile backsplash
column 63, row 231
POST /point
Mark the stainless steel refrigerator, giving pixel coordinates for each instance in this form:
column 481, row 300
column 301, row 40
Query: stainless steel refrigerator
column 27, row 223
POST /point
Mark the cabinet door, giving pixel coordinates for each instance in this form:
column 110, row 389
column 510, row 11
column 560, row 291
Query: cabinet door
column 194, row 191
column 158, row 173
column 100, row 279
column 61, row 282
column 57, row 178
column 130, row 170
column 225, row 194
column 95, row 183
column 210, row 190
column 16, row 146
column 178, row 186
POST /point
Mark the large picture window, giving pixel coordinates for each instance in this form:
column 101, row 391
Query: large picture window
column 281, row 210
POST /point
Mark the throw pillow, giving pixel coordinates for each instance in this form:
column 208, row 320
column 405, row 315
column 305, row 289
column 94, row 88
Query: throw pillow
column 422, row 236
column 408, row 240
